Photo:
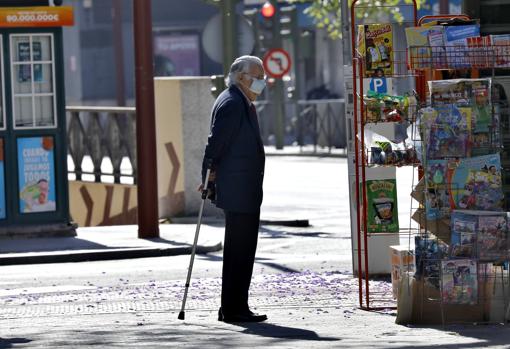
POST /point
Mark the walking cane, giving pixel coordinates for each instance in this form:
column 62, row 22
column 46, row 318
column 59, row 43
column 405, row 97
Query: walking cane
column 194, row 248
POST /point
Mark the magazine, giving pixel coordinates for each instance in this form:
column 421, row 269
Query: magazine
column 456, row 44
column 475, row 183
column 459, row 281
column 501, row 46
column 436, row 41
column 463, row 239
column 420, row 53
column 492, row 239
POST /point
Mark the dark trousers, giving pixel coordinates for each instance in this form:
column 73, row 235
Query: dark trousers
column 241, row 233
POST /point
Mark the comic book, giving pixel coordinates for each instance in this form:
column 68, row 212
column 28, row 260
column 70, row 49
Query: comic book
column 428, row 254
column 459, row 281
column 463, row 238
column 382, row 207
column 475, row 183
column 437, row 202
column 447, row 132
column 492, row 241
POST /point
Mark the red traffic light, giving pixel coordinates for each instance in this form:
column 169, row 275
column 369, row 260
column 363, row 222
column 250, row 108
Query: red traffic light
column 268, row 10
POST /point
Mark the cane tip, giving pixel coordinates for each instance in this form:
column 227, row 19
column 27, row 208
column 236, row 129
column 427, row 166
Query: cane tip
column 181, row 316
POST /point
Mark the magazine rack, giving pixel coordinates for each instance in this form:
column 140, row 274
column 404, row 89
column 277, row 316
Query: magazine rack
column 364, row 159
column 459, row 254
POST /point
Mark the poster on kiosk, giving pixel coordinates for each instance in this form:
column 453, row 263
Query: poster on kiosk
column 2, row 180
column 36, row 174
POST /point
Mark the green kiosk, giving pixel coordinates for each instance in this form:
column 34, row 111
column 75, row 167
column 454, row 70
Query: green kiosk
column 34, row 194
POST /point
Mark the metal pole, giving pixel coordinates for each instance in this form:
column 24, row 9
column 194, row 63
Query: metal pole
column 118, row 49
column 145, row 122
column 228, row 11
column 278, row 93
column 346, row 33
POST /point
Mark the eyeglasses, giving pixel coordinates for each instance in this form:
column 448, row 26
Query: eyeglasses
column 256, row 77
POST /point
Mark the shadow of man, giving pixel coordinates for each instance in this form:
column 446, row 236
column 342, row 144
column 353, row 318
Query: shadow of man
column 10, row 342
column 265, row 329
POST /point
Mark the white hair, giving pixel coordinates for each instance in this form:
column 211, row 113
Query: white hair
column 241, row 65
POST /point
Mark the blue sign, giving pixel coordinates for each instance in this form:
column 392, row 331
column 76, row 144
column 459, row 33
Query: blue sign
column 2, row 181
column 36, row 174
column 378, row 85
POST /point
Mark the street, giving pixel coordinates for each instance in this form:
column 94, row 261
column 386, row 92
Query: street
column 302, row 280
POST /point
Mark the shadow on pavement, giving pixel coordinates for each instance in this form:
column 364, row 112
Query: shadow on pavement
column 6, row 343
column 283, row 234
column 282, row 332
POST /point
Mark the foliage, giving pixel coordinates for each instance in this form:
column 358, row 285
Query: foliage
column 327, row 13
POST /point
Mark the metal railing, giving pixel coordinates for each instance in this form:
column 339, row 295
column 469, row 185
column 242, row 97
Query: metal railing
column 319, row 123
column 99, row 134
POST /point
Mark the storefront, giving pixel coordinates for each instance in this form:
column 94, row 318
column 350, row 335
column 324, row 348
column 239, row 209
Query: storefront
column 33, row 150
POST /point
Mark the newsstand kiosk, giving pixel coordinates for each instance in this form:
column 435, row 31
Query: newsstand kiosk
column 34, row 197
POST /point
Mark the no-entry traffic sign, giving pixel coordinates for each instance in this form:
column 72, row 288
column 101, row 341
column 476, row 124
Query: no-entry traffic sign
column 277, row 63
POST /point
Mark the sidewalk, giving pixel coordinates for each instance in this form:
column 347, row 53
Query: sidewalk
column 108, row 243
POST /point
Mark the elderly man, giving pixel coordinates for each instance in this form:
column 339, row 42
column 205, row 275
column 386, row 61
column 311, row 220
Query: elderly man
column 235, row 154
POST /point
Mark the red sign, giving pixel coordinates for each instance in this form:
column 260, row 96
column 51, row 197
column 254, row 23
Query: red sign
column 44, row 16
column 277, row 63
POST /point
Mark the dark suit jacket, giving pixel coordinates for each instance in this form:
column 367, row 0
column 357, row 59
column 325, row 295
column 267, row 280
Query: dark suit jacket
column 235, row 148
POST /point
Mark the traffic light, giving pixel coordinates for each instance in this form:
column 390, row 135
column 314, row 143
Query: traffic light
column 268, row 10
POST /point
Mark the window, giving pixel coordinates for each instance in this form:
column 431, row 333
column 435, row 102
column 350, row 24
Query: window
column 33, row 81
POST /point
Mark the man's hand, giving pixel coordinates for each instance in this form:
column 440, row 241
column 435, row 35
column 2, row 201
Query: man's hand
column 212, row 178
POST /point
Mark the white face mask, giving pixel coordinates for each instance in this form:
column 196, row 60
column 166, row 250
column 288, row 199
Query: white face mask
column 257, row 85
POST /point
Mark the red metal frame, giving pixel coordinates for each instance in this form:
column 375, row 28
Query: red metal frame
column 361, row 218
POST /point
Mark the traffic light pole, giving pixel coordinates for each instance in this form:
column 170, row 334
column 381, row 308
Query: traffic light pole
column 228, row 11
column 278, row 93
column 147, row 184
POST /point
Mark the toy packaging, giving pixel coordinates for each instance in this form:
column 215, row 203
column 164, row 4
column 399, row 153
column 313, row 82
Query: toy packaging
column 428, row 254
column 382, row 206
column 375, row 44
column 437, row 202
column 459, row 280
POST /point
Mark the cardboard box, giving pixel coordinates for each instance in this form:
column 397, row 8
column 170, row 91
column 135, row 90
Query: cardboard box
column 402, row 260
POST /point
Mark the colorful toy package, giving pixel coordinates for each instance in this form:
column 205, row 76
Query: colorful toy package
column 459, row 281
column 375, row 44
column 382, row 107
column 382, row 206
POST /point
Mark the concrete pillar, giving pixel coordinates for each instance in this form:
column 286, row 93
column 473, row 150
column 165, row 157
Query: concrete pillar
column 183, row 111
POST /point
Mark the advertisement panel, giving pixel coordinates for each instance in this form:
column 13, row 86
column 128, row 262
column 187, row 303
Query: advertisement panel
column 36, row 174
column 177, row 55
column 2, row 181
column 36, row 16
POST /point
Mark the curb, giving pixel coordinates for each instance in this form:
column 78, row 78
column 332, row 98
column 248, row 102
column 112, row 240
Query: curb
column 102, row 255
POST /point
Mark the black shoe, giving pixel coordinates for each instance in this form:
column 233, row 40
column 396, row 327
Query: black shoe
column 247, row 316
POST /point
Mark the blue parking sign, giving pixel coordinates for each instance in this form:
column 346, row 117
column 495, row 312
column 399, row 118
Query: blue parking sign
column 378, row 85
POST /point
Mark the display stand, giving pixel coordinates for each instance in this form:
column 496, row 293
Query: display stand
column 372, row 248
column 458, row 278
